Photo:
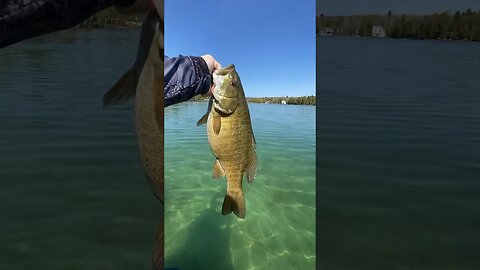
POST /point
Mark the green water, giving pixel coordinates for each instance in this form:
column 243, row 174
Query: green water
column 73, row 194
column 279, row 229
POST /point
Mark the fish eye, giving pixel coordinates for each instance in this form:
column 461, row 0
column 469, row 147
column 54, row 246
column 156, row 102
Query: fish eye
column 233, row 83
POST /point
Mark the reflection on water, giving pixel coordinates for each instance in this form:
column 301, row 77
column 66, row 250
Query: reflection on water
column 73, row 194
column 398, row 154
column 279, row 229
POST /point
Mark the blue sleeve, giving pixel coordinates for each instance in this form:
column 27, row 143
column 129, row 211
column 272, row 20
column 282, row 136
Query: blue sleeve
column 24, row 19
column 185, row 77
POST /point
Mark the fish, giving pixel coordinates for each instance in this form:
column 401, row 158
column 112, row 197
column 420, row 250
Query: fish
column 144, row 81
column 231, row 139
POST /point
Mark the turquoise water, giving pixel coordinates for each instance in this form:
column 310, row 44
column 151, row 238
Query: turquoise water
column 398, row 154
column 73, row 194
column 279, row 229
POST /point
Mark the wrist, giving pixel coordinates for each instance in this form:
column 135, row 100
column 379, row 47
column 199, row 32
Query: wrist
column 202, row 71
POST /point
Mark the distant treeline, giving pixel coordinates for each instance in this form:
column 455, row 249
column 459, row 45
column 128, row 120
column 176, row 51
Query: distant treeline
column 305, row 100
column 461, row 25
column 110, row 17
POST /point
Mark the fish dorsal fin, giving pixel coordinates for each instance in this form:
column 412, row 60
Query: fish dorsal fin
column 251, row 169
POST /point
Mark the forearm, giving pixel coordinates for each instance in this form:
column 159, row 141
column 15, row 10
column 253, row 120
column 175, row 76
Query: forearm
column 185, row 77
column 22, row 19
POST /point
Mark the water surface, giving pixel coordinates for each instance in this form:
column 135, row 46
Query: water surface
column 398, row 154
column 279, row 229
column 73, row 194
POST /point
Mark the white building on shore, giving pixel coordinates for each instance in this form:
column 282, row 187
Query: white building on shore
column 378, row 31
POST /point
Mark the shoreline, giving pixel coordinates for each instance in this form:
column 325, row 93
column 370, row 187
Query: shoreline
column 269, row 101
column 449, row 25
column 260, row 103
column 393, row 38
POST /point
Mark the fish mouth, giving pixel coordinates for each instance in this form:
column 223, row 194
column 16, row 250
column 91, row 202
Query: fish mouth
column 225, row 96
column 218, row 107
column 217, row 95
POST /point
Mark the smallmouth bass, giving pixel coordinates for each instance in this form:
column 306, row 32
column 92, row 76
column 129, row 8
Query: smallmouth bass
column 231, row 138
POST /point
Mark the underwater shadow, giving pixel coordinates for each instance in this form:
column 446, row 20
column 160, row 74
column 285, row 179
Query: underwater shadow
column 207, row 245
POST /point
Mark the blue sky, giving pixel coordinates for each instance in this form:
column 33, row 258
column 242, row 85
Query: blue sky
column 350, row 7
column 271, row 42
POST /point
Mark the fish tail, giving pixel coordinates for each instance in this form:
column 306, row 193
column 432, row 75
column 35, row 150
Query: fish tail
column 234, row 202
column 123, row 89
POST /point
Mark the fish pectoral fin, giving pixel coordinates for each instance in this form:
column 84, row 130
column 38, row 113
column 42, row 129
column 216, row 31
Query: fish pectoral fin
column 123, row 90
column 217, row 170
column 217, row 123
column 203, row 120
column 251, row 169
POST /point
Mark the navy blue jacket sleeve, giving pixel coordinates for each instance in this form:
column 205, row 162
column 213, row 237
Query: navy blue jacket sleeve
column 24, row 19
column 185, row 77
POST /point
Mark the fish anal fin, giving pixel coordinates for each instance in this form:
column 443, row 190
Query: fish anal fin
column 123, row 90
column 234, row 203
column 217, row 170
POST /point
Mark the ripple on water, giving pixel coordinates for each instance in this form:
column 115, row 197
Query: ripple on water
column 73, row 194
column 279, row 229
column 396, row 152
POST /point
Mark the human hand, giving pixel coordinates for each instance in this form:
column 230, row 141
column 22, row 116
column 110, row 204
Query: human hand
column 212, row 66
